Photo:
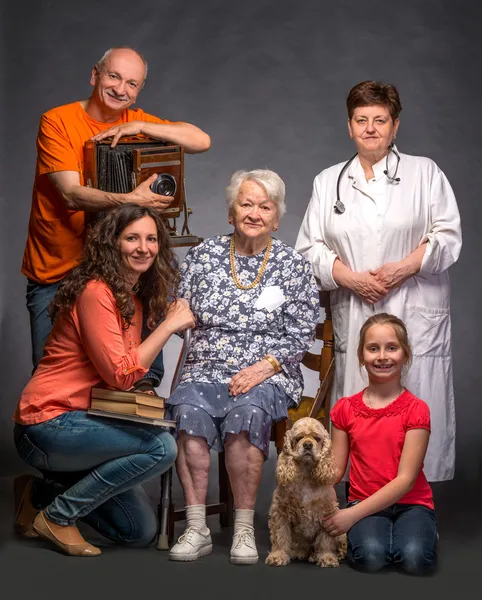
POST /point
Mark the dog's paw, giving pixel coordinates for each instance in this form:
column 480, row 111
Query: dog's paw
column 341, row 546
column 277, row 559
column 326, row 560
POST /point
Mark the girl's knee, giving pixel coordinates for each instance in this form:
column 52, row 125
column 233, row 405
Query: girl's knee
column 370, row 556
column 416, row 559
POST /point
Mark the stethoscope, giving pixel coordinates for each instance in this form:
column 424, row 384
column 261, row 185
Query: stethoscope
column 339, row 206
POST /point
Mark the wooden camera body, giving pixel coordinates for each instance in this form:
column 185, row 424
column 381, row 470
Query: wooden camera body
column 133, row 160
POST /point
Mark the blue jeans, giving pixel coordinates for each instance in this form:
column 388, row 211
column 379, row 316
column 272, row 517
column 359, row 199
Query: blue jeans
column 92, row 466
column 404, row 535
column 39, row 297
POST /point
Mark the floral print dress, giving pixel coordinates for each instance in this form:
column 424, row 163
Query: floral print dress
column 234, row 332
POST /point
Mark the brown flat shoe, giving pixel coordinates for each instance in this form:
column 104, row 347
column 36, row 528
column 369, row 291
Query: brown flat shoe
column 45, row 528
column 25, row 511
column 146, row 386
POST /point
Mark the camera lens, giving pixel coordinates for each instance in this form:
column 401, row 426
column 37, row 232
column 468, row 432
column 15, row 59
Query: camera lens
column 165, row 185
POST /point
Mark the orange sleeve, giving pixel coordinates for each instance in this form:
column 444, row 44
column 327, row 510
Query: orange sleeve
column 152, row 119
column 54, row 148
column 98, row 323
column 139, row 115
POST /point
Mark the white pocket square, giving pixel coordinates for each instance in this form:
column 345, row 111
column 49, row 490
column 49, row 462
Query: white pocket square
column 270, row 298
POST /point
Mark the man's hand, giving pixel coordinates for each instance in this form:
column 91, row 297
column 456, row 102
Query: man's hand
column 392, row 275
column 143, row 195
column 118, row 131
column 368, row 287
column 339, row 522
column 247, row 378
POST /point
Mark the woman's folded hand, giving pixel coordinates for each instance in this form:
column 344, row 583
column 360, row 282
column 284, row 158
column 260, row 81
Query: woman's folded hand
column 368, row 287
column 392, row 275
column 247, row 378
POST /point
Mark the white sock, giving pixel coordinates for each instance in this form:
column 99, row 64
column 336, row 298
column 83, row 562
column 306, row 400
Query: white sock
column 243, row 518
column 196, row 517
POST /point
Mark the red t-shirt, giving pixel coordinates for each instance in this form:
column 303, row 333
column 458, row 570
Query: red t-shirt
column 376, row 443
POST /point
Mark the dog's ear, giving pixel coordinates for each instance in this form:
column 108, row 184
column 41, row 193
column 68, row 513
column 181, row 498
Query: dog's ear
column 286, row 469
column 325, row 472
column 287, row 448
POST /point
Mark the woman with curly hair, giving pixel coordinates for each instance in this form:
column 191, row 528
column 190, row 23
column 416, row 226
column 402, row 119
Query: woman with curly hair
column 93, row 466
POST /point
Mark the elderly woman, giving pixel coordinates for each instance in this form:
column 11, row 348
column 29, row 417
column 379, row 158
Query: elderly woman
column 255, row 302
column 381, row 232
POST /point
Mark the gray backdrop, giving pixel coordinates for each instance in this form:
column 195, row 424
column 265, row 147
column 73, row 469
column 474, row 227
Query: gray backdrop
column 268, row 81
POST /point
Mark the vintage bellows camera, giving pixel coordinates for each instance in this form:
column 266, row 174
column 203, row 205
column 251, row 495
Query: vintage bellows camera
column 132, row 161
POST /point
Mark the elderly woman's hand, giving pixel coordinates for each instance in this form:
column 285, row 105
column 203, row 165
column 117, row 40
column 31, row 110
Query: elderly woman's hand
column 247, row 378
column 368, row 287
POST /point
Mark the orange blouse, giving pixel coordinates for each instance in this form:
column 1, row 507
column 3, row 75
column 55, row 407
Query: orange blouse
column 87, row 347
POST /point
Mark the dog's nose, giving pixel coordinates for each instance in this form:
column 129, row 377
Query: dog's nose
column 307, row 445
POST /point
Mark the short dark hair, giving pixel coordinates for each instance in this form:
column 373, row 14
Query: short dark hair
column 370, row 93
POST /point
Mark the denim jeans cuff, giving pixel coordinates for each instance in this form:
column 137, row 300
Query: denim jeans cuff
column 58, row 521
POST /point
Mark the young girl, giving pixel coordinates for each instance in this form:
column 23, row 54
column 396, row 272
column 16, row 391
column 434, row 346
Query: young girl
column 384, row 430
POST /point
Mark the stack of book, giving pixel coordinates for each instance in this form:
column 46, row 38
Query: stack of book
column 132, row 406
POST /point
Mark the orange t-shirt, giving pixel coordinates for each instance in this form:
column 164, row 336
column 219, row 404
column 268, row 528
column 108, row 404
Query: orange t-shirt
column 87, row 347
column 56, row 234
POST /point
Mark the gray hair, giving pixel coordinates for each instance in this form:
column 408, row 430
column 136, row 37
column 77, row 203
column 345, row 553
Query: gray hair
column 100, row 64
column 270, row 181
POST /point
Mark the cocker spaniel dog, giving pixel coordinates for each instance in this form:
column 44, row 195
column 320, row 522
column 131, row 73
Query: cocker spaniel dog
column 304, row 496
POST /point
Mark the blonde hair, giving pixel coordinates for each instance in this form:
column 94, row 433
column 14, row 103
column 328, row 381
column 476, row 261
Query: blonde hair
column 398, row 327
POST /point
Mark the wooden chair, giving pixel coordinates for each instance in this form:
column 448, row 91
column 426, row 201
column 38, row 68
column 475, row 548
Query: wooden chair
column 324, row 364
column 317, row 407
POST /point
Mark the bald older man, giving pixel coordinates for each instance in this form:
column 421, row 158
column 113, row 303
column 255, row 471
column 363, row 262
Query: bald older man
column 60, row 197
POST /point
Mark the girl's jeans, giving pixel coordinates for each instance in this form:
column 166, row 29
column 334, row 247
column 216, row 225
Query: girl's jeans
column 404, row 535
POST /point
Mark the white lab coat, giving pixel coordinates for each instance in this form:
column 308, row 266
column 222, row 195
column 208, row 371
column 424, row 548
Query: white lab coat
column 384, row 222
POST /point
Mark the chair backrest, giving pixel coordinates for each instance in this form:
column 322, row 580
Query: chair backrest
column 323, row 363
column 187, row 334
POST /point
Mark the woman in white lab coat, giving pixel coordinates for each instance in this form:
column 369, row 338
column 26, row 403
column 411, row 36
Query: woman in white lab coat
column 384, row 244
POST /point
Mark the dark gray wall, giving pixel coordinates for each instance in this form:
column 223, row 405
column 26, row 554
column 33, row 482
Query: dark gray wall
column 268, row 81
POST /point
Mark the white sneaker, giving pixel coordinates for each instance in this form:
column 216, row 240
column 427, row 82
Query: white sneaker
column 191, row 545
column 243, row 550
